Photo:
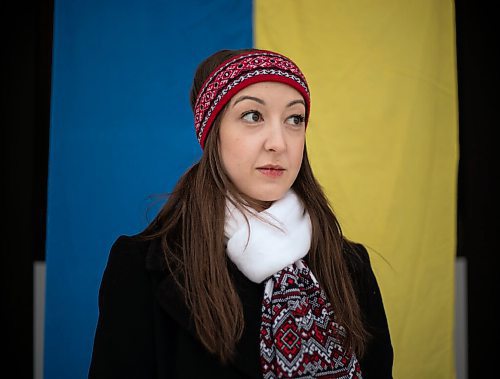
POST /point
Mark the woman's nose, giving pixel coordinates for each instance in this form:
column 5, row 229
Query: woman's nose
column 275, row 137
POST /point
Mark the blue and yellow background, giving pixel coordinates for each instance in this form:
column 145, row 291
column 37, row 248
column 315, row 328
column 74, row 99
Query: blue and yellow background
column 382, row 140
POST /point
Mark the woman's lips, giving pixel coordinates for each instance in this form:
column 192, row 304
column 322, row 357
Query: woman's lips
column 271, row 171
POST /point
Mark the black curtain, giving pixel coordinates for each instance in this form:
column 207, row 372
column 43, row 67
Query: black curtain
column 478, row 85
column 26, row 54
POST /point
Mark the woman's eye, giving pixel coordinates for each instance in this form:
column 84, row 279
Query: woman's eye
column 296, row 119
column 252, row 116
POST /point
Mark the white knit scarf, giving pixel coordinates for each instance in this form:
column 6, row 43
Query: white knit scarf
column 271, row 241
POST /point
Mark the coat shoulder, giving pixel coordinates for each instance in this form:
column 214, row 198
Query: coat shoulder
column 356, row 256
column 130, row 245
column 138, row 250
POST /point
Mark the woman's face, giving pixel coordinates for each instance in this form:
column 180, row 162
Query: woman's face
column 262, row 135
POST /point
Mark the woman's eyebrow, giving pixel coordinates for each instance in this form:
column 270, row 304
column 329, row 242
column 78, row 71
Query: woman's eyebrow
column 260, row 101
column 298, row 101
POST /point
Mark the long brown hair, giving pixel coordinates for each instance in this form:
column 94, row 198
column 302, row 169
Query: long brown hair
column 191, row 228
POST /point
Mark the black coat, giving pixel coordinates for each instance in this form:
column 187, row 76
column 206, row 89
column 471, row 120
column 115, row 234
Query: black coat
column 145, row 330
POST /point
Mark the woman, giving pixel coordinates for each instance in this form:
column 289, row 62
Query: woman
column 244, row 273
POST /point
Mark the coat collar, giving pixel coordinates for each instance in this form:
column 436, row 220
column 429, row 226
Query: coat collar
column 171, row 300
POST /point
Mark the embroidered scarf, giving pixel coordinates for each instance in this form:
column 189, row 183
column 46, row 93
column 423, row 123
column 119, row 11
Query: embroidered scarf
column 299, row 337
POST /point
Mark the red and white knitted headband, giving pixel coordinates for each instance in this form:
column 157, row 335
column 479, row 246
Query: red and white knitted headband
column 238, row 72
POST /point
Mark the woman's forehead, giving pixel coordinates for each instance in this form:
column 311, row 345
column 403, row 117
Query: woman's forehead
column 268, row 90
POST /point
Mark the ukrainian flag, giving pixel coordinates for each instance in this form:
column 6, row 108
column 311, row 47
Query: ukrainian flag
column 383, row 141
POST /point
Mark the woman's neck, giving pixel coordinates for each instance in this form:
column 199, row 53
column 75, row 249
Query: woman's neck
column 258, row 205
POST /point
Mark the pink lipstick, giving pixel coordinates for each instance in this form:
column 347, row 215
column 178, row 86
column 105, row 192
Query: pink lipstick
column 272, row 171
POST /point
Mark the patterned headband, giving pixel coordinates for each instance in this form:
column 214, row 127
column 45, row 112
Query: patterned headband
column 238, row 72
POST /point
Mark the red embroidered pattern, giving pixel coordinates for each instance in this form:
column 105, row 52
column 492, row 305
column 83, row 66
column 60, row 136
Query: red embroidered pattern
column 299, row 336
column 237, row 73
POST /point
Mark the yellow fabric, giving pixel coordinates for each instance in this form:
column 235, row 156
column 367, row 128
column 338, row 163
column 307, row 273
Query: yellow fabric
column 383, row 141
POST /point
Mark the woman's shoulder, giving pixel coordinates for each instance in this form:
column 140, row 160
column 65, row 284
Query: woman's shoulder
column 130, row 244
column 135, row 249
column 360, row 268
column 356, row 256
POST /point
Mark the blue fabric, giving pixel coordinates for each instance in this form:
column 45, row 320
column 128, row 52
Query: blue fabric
column 121, row 130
